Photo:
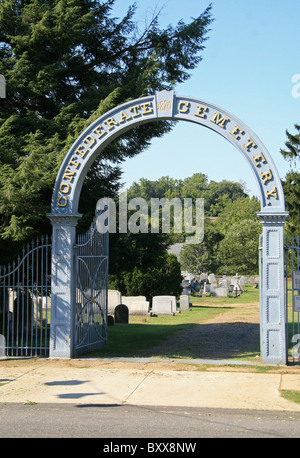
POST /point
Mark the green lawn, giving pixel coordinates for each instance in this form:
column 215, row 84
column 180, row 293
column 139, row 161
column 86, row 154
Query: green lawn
column 145, row 332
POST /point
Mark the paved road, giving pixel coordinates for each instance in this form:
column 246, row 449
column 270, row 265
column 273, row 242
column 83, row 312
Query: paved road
column 121, row 422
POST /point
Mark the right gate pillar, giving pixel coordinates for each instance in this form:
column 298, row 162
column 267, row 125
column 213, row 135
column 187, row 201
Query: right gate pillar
column 272, row 294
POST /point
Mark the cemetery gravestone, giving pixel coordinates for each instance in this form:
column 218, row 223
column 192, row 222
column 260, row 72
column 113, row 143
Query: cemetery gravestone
column 164, row 305
column 2, row 346
column 137, row 305
column 235, row 281
column 110, row 320
column 114, row 298
column 184, row 303
column 212, row 278
column 204, row 290
column 139, row 308
column 220, row 291
column 223, row 283
column 121, row 314
column 243, row 280
column 203, row 277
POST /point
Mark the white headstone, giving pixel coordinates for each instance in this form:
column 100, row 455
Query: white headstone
column 137, row 305
column 212, row 278
column 184, row 302
column 114, row 298
column 203, row 277
column 164, row 305
column 220, row 292
column 2, row 346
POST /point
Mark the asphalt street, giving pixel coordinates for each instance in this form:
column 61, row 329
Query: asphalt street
column 114, row 424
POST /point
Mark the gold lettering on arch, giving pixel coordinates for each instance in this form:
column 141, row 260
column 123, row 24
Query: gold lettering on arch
column 220, row 120
column 62, row 201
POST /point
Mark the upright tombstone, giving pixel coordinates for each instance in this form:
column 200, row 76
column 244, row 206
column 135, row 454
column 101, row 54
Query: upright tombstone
column 2, row 346
column 184, row 303
column 164, row 305
column 137, row 305
column 203, row 277
column 223, row 282
column 212, row 278
column 243, row 282
column 205, row 289
column 220, row 291
column 114, row 298
column 235, row 281
column 110, row 320
column 121, row 314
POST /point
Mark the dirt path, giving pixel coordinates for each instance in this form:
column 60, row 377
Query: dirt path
column 234, row 333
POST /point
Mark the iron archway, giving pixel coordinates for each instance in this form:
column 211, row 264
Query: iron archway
column 167, row 105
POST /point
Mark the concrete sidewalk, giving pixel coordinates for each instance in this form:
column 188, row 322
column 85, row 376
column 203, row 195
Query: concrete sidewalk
column 106, row 382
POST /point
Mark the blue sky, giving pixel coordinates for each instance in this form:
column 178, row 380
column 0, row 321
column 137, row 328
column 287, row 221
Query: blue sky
column 252, row 54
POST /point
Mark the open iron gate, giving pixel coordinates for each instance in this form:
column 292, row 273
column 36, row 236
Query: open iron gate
column 25, row 302
column 292, row 278
column 91, row 263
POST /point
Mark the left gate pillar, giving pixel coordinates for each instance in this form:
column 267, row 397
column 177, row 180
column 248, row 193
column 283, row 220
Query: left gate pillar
column 62, row 284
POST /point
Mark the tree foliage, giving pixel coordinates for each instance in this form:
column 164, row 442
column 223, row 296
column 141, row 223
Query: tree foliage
column 227, row 209
column 66, row 62
column 292, row 151
column 230, row 242
column 238, row 251
column 203, row 257
column 291, row 183
column 196, row 186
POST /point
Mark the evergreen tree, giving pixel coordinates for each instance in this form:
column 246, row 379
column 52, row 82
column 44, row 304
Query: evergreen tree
column 291, row 184
column 66, row 62
column 292, row 151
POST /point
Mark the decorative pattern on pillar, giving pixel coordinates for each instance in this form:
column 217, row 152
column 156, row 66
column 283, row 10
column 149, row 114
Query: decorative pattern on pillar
column 62, row 290
column 272, row 302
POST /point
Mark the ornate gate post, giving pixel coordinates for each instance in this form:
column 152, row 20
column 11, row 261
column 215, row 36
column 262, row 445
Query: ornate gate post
column 272, row 306
column 62, row 279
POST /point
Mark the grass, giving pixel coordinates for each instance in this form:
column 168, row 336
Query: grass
column 145, row 332
column 142, row 333
column 250, row 296
column 291, row 395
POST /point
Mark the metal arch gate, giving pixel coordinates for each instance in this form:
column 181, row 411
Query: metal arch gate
column 91, row 264
column 64, row 216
